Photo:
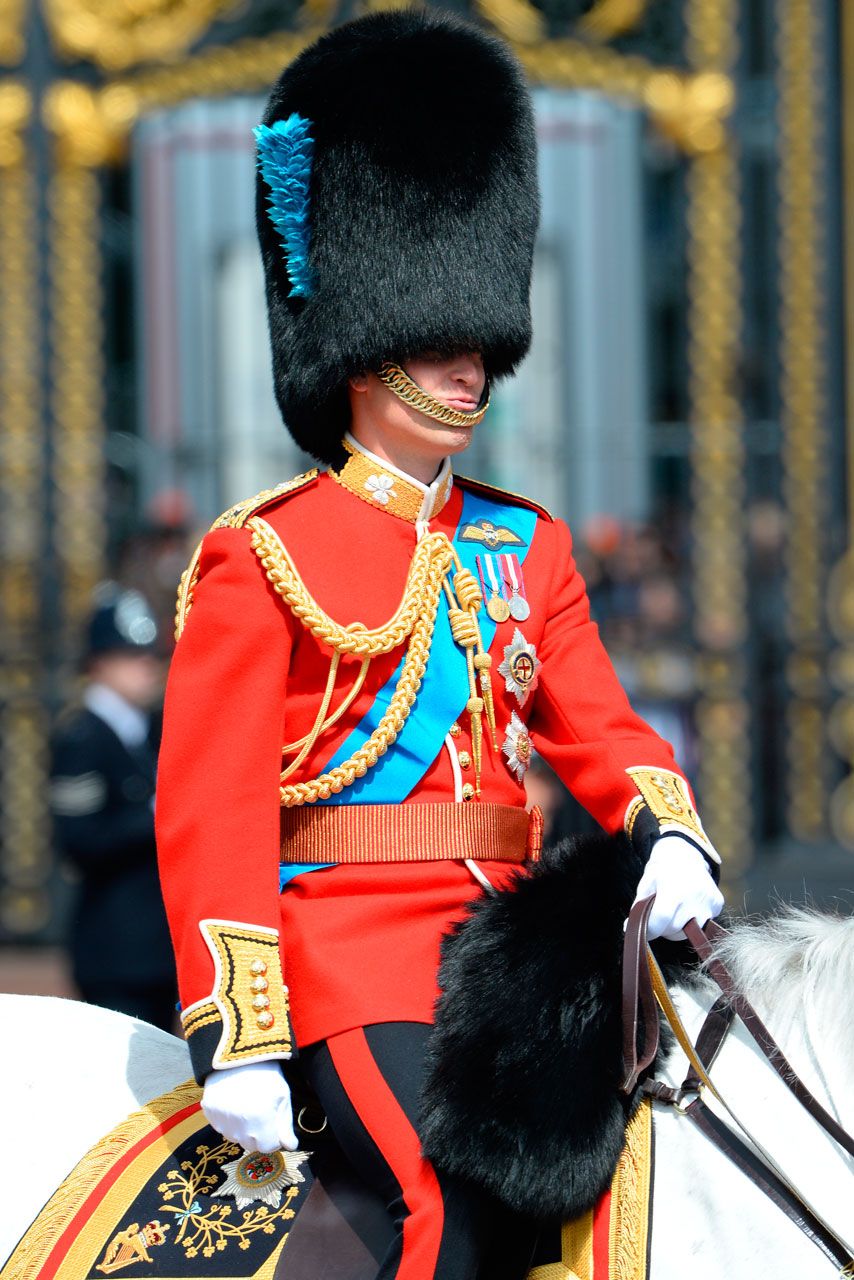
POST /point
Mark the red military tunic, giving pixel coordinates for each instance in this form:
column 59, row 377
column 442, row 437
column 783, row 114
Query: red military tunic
column 360, row 944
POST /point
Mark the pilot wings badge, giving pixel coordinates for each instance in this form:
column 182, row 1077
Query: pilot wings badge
column 491, row 535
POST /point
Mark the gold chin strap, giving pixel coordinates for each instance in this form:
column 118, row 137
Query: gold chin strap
column 399, row 381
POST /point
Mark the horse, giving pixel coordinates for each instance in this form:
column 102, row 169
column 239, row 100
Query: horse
column 70, row 1072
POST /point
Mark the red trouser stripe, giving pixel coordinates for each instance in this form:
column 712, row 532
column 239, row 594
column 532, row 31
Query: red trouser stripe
column 388, row 1126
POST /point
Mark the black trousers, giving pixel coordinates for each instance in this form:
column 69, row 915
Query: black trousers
column 368, row 1082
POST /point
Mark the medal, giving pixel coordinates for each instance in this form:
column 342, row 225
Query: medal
column 498, row 608
column 518, row 747
column 520, row 668
column 519, row 607
column 493, row 589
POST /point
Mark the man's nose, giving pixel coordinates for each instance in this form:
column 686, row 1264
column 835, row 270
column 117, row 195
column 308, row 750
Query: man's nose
column 468, row 370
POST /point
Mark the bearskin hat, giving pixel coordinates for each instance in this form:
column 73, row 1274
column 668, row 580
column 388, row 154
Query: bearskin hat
column 397, row 208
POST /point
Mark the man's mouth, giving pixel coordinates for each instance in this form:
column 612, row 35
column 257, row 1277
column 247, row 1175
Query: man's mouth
column 465, row 403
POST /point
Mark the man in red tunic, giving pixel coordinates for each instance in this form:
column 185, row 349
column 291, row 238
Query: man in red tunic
column 369, row 654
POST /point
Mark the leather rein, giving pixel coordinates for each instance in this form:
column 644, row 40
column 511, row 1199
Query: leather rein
column 644, row 992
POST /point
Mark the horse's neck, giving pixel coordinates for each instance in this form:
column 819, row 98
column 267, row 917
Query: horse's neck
column 708, row 1218
column 770, row 1112
column 798, row 1029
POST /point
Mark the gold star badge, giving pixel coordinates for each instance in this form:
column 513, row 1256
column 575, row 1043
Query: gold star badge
column 520, row 668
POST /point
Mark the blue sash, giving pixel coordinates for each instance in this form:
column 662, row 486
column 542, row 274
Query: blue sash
column 444, row 689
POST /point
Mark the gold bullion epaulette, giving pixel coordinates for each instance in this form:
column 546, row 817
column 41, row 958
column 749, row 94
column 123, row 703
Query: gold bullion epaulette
column 503, row 495
column 234, row 518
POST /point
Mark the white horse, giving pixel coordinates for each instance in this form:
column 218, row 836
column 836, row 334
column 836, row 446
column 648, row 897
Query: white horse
column 70, row 1072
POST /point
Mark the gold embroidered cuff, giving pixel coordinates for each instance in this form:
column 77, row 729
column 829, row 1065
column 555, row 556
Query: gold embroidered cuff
column 249, row 996
column 666, row 796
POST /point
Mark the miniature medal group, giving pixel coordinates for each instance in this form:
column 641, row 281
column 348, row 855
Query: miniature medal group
column 504, row 592
column 503, row 587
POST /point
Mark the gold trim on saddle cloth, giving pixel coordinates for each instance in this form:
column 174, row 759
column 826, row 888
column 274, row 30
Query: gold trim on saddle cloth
column 410, row 833
column 148, row 1187
column 619, row 1225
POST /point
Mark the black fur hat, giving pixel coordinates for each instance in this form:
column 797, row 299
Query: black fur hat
column 415, row 230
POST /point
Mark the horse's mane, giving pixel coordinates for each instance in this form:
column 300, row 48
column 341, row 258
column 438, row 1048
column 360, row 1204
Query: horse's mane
column 795, row 960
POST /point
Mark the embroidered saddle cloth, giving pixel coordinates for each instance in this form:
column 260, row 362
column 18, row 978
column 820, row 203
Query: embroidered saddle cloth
column 164, row 1196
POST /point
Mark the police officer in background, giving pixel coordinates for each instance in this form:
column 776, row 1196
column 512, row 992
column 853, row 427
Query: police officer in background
column 102, row 798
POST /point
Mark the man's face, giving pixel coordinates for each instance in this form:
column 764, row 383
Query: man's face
column 457, row 381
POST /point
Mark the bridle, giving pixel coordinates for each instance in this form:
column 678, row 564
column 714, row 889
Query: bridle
column 644, row 993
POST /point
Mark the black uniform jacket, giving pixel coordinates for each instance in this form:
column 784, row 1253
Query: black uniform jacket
column 101, row 797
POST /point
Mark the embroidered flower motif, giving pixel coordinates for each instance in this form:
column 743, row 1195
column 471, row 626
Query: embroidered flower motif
column 517, row 747
column 261, row 1177
column 520, row 668
column 381, row 488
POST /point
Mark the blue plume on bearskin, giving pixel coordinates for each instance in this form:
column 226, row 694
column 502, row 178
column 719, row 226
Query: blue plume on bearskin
column 285, row 151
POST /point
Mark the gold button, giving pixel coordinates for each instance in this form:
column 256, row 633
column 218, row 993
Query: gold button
column 258, row 967
column 265, row 1020
column 455, row 730
column 260, row 1002
column 259, row 984
column 465, row 760
column 468, row 791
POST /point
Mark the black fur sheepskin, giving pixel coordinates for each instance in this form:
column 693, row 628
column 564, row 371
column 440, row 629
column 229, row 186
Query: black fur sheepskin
column 522, row 1094
column 423, row 210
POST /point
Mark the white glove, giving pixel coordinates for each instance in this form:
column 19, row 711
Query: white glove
column 677, row 873
column 251, row 1105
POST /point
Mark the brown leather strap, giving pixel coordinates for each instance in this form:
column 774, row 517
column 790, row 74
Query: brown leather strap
column 744, row 1159
column 638, row 998
column 702, row 943
column 713, row 1032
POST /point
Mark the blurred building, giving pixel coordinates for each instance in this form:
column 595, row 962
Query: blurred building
column 684, row 406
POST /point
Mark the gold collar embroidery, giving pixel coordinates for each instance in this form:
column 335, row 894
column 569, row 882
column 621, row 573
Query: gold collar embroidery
column 381, row 485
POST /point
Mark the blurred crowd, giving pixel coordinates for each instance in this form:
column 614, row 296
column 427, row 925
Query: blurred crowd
column 637, row 579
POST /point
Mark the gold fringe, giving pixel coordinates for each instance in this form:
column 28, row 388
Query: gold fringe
column 32, row 1251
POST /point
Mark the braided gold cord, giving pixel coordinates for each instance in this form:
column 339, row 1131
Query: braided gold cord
column 187, row 586
column 354, row 638
column 414, row 619
column 414, row 666
column 320, row 720
column 398, row 381
column 343, row 706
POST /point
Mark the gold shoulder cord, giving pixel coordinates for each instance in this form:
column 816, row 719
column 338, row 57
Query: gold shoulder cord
column 415, row 620
column 234, row 518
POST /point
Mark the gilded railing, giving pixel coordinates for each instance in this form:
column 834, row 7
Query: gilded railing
column 24, row 837
column 803, row 409
column 717, row 450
